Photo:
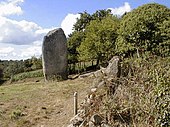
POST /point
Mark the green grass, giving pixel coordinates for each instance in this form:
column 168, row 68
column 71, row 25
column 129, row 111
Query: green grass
column 38, row 103
column 10, row 92
column 28, row 90
column 31, row 74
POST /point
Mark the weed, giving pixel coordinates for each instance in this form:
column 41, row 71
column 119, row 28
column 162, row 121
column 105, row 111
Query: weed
column 16, row 114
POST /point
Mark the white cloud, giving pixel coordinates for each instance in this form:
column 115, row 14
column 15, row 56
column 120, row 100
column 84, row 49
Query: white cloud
column 10, row 7
column 6, row 50
column 121, row 10
column 17, row 32
column 31, row 51
column 9, row 51
column 20, row 32
column 18, row 39
column 68, row 22
column 17, row 52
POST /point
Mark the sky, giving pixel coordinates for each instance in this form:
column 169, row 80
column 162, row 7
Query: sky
column 24, row 23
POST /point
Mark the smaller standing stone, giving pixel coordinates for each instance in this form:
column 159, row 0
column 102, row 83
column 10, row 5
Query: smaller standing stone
column 113, row 67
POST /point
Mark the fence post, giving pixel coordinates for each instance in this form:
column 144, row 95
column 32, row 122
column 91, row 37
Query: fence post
column 75, row 103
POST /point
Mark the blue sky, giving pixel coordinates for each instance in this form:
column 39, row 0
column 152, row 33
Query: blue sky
column 49, row 13
column 23, row 23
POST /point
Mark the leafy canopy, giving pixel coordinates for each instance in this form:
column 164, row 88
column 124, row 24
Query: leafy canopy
column 100, row 37
column 79, row 34
column 145, row 29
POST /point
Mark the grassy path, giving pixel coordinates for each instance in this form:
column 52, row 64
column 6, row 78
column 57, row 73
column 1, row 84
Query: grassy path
column 39, row 104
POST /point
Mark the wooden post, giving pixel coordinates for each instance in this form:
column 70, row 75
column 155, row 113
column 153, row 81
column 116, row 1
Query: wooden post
column 75, row 103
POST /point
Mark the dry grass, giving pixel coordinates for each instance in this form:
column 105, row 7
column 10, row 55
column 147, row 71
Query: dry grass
column 141, row 98
column 39, row 104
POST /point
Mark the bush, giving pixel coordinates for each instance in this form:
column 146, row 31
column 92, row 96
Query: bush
column 1, row 73
column 31, row 74
column 162, row 99
column 142, row 97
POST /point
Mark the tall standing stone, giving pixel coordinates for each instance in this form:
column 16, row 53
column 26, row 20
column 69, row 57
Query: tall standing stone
column 54, row 55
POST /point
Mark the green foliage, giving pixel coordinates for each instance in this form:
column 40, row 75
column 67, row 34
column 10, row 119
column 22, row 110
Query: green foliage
column 162, row 93
column 36, row 63
column 163, row 104
column 31, row 74
column 100, row 37
column 78, row 36
column 1, row 73
column 164, row 47
column 13, row 67
column 101, row 14
column 142, row 94
column 81, row 67
column 74, row 41
column 83, row 21
column 145, row 29
column 55, row 78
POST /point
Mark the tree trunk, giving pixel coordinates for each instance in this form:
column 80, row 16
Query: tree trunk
column 97, row 63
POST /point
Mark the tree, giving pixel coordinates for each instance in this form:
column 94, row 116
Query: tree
column 27, row 65
column 164, row 47
column 78, row 36
column 143, row 30
column 85, row 18
column 74, row 41
column 1, row 73
column 100, row 37
column 11, row 69
column 101, row 14
column 36, row 63
column 82, row 22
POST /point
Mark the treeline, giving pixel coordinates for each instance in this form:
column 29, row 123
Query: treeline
column 101, row 35
column 12, row 67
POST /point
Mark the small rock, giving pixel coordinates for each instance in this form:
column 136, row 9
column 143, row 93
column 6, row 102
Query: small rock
column 98, row 73
column 37, row 81
column 105, row 125
column 81, row 111
column 89, row 101
column 44, row 108
column 95, row 120
column 113, row 67
column 93, row 90
column 71, row 125
column 92, row 96
column 91, row 124
column 101, row 84
column 1, row 103
column 76, row 120
column 86, row 75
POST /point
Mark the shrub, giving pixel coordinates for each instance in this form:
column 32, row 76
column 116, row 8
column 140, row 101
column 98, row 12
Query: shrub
column 143, row 94
column 31, row 74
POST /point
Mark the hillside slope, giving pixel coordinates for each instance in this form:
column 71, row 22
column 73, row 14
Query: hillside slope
column 39, row 104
